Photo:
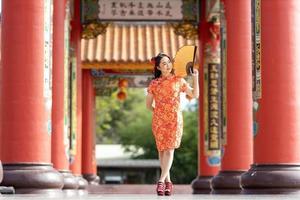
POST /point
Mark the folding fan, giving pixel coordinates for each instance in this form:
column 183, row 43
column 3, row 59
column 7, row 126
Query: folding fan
column 184, row 60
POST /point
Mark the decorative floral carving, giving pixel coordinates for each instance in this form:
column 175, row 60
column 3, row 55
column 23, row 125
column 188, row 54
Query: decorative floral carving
column 187, row 30
column 92, row 30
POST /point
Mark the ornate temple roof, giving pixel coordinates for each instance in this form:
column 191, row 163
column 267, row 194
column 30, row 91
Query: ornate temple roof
column 130, row 46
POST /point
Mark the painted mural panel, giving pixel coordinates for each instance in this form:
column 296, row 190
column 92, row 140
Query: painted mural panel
column 212, row 8
column 224, row 72
column 73, row 106
column 67, row 82
column 48, row 9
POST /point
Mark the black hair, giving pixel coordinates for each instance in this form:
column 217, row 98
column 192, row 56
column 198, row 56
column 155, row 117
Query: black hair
column 156, row 61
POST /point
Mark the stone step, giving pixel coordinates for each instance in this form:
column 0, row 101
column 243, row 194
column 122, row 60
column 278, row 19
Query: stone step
column 134, row 189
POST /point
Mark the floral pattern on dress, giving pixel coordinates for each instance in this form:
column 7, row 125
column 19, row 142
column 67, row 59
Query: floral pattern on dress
column 167, row 122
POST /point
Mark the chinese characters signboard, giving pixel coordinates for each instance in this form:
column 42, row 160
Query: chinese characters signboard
column 213, row 124
column 214, row 106
column 256, row 48
column 139, row 10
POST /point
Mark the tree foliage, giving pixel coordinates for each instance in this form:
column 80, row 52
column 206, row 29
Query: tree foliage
column 129, row 123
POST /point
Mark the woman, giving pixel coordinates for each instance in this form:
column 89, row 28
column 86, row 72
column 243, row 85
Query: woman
column 167, row 125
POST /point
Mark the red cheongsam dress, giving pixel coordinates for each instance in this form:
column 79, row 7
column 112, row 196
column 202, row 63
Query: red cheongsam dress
column 167, row 123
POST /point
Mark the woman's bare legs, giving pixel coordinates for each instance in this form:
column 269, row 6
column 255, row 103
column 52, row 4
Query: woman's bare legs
column 166, row 160
column 161, row 159
column 168, row 178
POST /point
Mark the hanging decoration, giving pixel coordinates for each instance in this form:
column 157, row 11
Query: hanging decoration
column 122, row 94
column 123, row 84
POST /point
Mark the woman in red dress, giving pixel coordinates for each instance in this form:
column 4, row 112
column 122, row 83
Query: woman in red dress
column 167, row 125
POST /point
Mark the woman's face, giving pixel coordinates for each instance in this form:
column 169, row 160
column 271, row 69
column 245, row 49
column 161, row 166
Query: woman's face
column 165, row 66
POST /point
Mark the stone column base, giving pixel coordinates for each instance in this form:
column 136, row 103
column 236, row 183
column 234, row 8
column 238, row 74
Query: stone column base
column 32, row 178
column 70, row 181
column 227, row 182
column 92, row 179
column 1, row 172
column 82, row 183
column 271, row 179
column 201, row 185
column 83, row 186
column 7, row 190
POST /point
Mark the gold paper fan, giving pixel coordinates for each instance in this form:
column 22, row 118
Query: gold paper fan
column 184, row 60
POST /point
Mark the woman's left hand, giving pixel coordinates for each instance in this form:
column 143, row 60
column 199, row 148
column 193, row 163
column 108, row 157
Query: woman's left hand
column 195, row 72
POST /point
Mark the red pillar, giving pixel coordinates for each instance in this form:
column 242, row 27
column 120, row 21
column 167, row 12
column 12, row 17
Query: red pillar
column 238, row 150
column 201, row 185
column 25, row 97
column 60, row 142
column 75, row 166
column 276, row 166
column 1, row 169
column 89, row 164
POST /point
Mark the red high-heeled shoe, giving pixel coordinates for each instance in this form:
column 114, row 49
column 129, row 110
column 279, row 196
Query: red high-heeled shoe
column 168, row 188
column 160, row 188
